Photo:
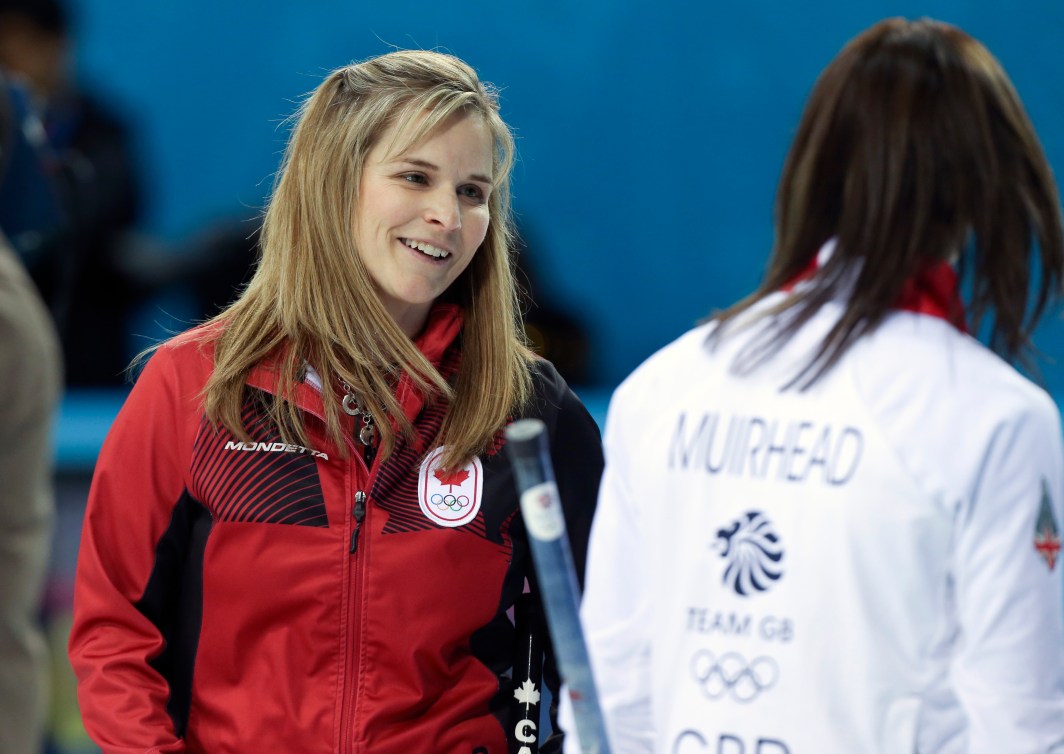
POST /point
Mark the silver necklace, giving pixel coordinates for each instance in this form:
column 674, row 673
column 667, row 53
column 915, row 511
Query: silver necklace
column 352, row 406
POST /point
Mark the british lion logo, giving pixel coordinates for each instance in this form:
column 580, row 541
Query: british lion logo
column 753, row 553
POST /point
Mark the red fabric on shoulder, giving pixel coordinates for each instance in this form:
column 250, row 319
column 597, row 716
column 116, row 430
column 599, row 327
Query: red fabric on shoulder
column 934, row 291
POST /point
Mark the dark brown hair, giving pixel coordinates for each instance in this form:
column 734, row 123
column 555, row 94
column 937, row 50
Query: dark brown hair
column 913, row 148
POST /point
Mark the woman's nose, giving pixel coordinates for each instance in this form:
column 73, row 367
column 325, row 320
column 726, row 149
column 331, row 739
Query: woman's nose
column 443, row 209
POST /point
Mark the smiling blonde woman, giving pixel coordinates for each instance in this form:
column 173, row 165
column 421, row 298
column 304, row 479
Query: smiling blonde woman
column 301, row 534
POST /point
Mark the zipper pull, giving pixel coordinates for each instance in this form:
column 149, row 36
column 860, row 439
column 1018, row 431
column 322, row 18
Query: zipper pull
column 359, row 512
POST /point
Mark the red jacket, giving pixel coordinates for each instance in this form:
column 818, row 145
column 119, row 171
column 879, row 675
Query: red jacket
column 229, row 601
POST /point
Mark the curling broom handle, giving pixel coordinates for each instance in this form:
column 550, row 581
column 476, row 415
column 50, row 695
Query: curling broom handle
column 526, row 445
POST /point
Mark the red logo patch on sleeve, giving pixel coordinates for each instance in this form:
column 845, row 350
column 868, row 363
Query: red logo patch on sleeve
column 1046, row 533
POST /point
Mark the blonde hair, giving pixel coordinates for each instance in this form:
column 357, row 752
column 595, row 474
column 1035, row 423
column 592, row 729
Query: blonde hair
column 312, row 301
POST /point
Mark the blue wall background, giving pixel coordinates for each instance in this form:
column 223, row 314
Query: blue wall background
column 651, row 134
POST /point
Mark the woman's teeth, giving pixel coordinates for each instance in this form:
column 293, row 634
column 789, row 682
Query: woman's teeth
column 426, row 248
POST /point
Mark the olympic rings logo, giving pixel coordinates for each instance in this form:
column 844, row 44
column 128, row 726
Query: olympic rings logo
column 449, row 502
column 450, row 498
column 732, row 675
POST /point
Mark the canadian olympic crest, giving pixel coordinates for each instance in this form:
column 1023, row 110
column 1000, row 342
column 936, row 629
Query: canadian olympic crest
column 450, row 498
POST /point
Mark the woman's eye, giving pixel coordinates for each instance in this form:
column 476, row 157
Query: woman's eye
column 414, row 178
column 472, row 192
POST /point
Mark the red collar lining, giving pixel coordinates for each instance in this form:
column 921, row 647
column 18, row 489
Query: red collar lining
column 933, row 291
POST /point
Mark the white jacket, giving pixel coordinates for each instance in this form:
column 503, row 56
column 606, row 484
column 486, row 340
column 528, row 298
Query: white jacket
column 867, row 566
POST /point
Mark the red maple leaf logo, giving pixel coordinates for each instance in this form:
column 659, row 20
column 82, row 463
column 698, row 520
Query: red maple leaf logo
column 453, row 479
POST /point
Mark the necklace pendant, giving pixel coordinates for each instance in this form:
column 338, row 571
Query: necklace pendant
column 368, row 434
column 350, row 405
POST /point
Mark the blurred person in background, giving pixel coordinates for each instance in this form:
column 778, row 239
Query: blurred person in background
column 830, row 518
column 301, row 533
column 83, row 272
column 29, row 392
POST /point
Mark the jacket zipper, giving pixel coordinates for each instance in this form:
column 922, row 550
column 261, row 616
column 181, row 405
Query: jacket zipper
column 352, row 590
column 356, row 567
column 359, row 512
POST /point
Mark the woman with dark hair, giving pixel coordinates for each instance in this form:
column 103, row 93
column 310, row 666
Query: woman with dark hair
column 301, row 535
column 830, row 518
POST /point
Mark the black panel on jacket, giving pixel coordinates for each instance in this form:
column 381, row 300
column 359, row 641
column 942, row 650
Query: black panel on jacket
column 173, row 601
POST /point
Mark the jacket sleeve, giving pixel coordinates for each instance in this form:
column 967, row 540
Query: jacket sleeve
column 1009, row 668
column 135, row 490
column 615, row 609
column 576, row 455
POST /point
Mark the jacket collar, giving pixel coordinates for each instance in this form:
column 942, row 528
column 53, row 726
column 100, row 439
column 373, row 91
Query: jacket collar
column 442, row 327
column 933, row 291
